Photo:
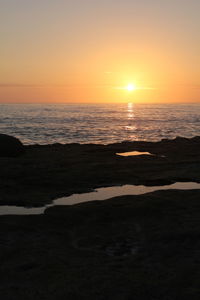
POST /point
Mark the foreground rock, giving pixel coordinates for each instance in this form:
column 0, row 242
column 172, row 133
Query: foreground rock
column 10, row 146
column 133, row 247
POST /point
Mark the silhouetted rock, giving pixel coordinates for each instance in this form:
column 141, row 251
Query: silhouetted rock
column 10, row 146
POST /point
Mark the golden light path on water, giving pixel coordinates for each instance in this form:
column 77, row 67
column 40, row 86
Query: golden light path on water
column 131, row 127
column 130, row 110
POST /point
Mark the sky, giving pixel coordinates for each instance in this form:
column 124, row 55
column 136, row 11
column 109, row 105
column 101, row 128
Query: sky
column 90, row 51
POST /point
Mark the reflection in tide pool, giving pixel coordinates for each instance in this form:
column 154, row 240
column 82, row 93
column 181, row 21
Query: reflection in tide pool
column 98, row 194
column 134, row 153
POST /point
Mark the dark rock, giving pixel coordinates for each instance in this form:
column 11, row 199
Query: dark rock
column 10, row 146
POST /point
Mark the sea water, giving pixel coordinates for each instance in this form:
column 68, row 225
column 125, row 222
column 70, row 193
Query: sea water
column 98, row 123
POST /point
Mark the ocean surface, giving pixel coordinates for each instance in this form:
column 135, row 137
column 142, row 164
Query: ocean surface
column 98, row 123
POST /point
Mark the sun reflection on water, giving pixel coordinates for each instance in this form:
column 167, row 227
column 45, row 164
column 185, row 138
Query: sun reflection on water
column 130, row 110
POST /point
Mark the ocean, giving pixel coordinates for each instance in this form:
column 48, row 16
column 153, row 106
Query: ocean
column 98, row 123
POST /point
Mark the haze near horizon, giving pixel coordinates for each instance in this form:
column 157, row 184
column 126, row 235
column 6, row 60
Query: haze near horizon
column 99, row 51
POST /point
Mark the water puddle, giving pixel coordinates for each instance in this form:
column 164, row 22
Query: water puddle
column 134, row 153
column 98, row 194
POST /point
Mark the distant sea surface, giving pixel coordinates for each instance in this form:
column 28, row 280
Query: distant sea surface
column 99, row 123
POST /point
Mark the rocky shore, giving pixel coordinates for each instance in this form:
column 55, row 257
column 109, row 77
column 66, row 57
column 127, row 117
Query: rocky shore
column 130, row 247
column 43, row 173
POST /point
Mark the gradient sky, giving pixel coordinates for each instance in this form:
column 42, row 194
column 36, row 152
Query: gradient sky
column 88, row 50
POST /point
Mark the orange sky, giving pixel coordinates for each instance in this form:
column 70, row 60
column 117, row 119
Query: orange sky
column 87, row 51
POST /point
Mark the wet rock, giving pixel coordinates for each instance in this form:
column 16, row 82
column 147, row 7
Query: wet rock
column 10, row 146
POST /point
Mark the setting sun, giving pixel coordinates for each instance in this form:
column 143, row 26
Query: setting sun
column 130, row 87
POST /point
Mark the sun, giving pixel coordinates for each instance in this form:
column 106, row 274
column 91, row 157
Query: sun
column 131, row 87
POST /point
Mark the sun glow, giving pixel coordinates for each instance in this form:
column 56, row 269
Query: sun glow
column 130, row 87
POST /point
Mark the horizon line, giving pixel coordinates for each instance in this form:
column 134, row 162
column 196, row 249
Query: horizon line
column 95, row 103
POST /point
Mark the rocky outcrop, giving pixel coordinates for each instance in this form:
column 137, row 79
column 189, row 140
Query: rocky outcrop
column 10, row 146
